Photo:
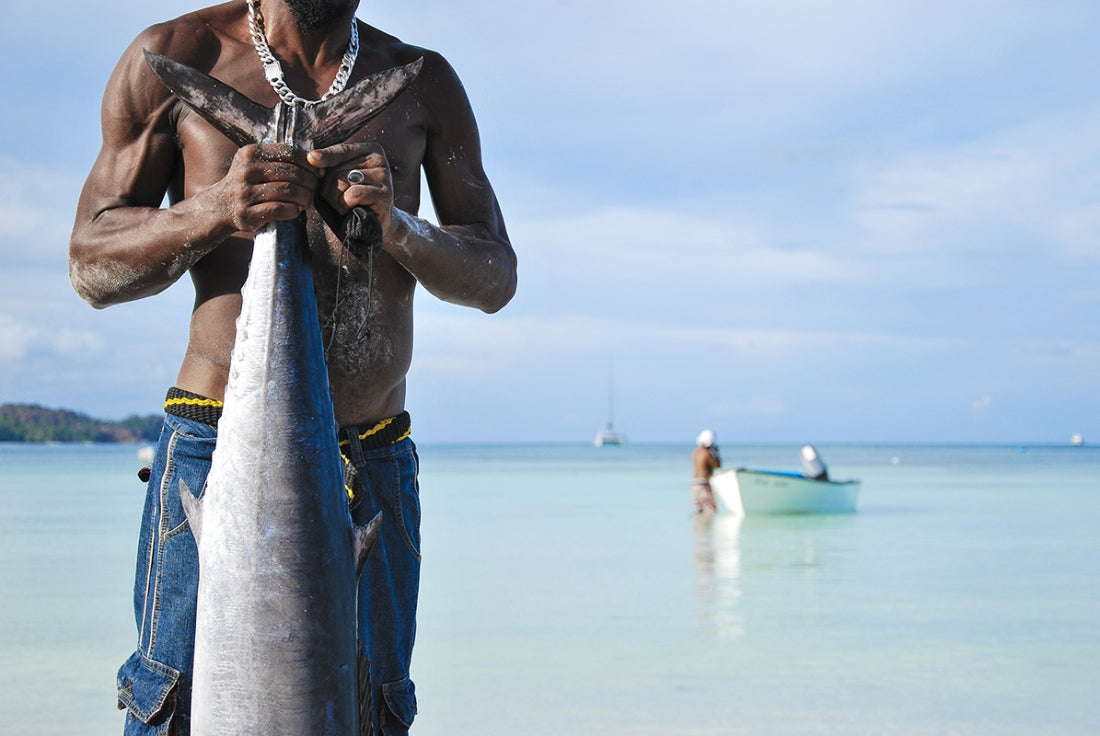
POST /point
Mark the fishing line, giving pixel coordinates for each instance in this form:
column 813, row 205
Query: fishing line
column 362, row 239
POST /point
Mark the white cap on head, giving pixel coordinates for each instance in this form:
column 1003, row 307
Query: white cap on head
column 705, row 438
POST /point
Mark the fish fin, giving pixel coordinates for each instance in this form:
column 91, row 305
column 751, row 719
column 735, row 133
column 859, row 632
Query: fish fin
column 362, row 539
column 244, row 121
column 335, row 119
column 192, row 509
column 236, row 116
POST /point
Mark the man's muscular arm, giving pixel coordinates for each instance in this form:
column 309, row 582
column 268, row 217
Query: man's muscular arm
column 468, row 259
column 124, row 245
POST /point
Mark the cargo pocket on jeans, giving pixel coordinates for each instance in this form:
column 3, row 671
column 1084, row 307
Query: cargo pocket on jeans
column 400, row 707
column 147, row 689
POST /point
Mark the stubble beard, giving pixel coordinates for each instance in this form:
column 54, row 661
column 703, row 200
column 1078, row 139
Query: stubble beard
column 317, row 15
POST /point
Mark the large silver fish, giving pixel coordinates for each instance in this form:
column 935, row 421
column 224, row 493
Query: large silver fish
column 279, row 557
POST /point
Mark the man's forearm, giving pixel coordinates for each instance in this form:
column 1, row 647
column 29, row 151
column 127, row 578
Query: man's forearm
column 128, row 253
column 461, row 264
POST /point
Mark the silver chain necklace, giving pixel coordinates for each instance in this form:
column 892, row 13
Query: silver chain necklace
column 273, row 70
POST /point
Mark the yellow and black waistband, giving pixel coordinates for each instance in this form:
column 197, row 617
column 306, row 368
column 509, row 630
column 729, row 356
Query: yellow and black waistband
column 208, row 411
column 382, row 434
column 191, row 406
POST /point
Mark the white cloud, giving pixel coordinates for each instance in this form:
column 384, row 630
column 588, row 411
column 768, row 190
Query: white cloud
column 15, row 339
column 1077, row 231
column 1012, row 209
column 470, row 342
column 19, row 339
column 680, row 251
column 930, row 201
column 36, row 214
column 74, row 342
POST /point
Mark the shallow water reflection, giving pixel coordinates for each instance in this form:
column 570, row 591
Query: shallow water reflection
column 746, row 567
column 718, row 575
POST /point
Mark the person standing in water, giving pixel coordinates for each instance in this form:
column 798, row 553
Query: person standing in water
column 705, row 459
column 127, row 246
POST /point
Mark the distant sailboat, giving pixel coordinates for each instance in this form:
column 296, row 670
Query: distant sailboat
column 608, row 435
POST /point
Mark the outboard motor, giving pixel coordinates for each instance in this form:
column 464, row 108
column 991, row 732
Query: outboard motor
column 812, row 466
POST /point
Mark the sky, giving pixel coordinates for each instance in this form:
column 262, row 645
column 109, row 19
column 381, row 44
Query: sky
column 786, row 221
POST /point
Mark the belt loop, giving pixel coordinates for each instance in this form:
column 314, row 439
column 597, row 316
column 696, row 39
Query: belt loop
column 354, row 449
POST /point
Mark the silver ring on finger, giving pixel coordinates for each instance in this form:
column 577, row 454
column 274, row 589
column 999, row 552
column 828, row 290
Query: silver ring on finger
column 355, row 176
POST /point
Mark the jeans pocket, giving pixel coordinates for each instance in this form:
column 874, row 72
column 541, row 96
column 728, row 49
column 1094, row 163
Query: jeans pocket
column 190, row 449
column 407, row 505
column 400, row 707
column 390, row 482
column 147, row 689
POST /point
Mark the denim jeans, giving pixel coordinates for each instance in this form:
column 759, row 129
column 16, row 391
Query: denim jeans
column 385, row 480
column 154, row 684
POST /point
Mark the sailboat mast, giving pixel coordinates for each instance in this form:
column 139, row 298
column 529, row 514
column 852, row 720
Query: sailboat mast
column 611, row 396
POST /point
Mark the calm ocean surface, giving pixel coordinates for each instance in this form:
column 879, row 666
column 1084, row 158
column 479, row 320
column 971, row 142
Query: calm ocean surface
column 568, row 590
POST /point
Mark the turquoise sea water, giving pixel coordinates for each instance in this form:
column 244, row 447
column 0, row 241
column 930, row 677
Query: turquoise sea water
column 568, row 590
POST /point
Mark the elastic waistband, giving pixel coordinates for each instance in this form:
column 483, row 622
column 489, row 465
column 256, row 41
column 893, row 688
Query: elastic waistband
column 208, row 411
column 192, row 406
column 382, row 434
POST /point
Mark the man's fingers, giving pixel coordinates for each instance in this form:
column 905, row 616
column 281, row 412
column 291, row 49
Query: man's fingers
column 365, row 176
column 283, row 153
column 280, row 173
column 343, row 153
column 282, row 191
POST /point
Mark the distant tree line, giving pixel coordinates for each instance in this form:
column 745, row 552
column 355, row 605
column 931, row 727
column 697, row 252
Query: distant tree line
column 33, row 423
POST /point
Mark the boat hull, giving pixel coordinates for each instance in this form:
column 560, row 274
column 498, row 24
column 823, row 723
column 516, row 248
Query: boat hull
column 762, row 492
column 608, row 437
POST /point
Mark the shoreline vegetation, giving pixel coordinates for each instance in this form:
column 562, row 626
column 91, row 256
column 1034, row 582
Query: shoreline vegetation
column 34, row 423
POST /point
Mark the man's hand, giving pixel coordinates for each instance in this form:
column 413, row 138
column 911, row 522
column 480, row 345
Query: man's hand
column 268, row 182
column 374, row 191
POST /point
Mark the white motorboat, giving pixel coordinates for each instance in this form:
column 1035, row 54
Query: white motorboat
column 744, row 491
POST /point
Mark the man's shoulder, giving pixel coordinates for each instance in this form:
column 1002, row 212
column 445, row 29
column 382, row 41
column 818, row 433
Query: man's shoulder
column 191, row 38
column 437, row 86
column 196, row 39
column 397, row 51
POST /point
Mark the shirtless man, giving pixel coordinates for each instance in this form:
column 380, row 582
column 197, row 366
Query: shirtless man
column 126, row 246
column 705, row 460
